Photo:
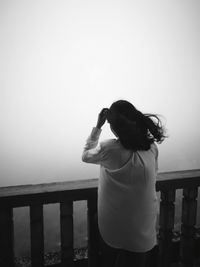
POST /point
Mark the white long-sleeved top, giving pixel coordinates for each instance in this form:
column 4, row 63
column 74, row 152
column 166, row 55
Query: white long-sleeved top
column 127, row 202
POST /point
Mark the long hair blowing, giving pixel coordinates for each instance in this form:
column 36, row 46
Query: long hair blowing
column 136, row 130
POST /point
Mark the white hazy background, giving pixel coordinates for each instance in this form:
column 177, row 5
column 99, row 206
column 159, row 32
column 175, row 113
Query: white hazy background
column 62, row 61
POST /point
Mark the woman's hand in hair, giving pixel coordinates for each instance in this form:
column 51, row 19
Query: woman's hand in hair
column 102, row 118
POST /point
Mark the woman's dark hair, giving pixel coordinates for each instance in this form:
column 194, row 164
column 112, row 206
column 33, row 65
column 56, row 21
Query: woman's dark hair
column 136, row 131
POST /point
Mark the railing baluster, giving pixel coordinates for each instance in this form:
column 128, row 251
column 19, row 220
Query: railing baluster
column 93, row 236
column 189, row 213
column 167, row 213
column 6, row 237
column 66, row 230
column 37, row 235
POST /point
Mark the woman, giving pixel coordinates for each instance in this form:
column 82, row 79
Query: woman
column 127, row 203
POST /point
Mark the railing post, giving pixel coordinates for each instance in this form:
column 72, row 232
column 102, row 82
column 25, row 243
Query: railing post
column 37, row 235
column 66, row 231
column 6, row 237
column 93, row 234
column 189, row 212
column 167, row 213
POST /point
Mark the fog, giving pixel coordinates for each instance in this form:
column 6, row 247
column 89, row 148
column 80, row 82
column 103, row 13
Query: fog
column 63, row 61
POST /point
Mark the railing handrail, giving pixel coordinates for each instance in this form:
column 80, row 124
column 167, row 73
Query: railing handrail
column 168, row 180
column 178, row 179
column 27, row 189
column 25, row 195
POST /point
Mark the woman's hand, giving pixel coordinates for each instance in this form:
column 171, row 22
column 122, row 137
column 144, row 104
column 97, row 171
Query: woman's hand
column 102, row 117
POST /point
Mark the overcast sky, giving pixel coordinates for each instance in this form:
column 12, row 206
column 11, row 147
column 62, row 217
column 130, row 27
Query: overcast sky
column 63, row 61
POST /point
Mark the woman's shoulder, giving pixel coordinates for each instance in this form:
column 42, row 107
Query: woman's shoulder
column 108, row 143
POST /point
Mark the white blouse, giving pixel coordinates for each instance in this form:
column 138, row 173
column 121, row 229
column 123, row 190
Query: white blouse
column 127, row 202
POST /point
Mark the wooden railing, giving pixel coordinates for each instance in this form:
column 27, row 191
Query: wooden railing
column 65, row 193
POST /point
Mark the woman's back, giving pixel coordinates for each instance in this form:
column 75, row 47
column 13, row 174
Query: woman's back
column 127, row 198
column 117, row 155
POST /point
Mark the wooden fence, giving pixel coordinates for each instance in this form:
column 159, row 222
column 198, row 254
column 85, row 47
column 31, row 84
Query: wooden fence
column 65, row 193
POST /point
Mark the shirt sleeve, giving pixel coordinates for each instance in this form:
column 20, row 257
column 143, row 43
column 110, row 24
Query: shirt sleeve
column 93, row 151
